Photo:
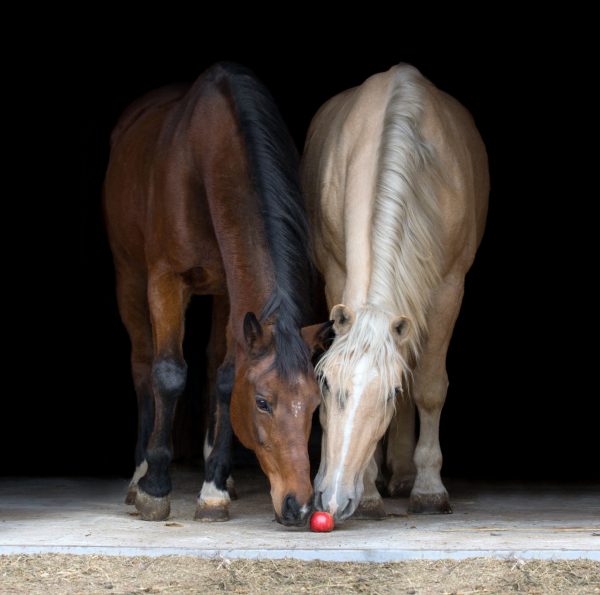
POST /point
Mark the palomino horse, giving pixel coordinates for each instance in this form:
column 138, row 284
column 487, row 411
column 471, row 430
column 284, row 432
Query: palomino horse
column 396, row 179
column 202, row 196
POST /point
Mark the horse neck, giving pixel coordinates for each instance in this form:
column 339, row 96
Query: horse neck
column 219, row 156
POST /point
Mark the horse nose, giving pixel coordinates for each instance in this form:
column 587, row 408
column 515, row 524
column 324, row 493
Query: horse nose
column 345, row 512
column 338, row 505
column 291, row 511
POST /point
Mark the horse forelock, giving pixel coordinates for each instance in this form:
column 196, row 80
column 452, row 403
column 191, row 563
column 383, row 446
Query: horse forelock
column 406, row 223
column 369, row 343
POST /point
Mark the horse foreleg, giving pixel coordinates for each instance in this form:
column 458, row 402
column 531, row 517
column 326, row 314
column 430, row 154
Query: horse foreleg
column 371, row 503
column 401, row 448
column 430, row 386
column 213, row 500
column 168, row 297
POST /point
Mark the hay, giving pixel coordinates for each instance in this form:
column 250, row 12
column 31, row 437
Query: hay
column 53, row 573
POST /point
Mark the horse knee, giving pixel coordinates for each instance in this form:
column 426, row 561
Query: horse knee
column 431, row 395
column 169, row 376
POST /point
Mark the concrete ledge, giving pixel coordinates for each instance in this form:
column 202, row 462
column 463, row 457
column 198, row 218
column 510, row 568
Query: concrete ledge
column 499, row 520
column 327, row 555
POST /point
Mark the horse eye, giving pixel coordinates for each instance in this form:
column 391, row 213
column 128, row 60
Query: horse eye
column 263, row 404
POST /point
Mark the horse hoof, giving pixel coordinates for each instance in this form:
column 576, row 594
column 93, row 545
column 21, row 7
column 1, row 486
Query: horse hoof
column 211, row 514
column 151, row 508
column 429, row 503
column 370, row 510
column 401, row 488
column 131, row 495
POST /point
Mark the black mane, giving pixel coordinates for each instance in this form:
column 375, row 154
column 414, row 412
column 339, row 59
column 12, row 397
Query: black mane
column 274, row 164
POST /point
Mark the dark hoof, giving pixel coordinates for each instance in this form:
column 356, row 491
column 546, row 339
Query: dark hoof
column 371, row 510
column 131, row 494
column 211, row 514
column 151, row 508
column 401, row 488
column 232, row 493
column 429, row 504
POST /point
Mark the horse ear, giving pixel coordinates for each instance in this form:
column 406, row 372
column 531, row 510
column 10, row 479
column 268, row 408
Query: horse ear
column 253, row 332
column 343, row 319
column 318, row 337
column 401, row 329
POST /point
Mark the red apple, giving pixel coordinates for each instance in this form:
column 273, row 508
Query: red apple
column 321, row 522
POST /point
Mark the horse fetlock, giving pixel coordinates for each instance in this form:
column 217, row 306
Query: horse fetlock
column 429, row 503
column 370, row 510
column 152, row 508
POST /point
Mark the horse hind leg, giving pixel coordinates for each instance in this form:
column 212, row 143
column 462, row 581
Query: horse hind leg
column 133, row 308
column 217, row 348
column 213, row 500
column 428, row 494
column 371, row 504
column 401, row 448
column 167, row 297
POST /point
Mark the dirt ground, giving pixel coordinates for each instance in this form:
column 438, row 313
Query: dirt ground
column 54, row 573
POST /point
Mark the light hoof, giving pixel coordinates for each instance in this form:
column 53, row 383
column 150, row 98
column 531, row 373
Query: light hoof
column 152, row 508
column 211, row 514
column 370, row 510
column 421, row 503
column 401, row 488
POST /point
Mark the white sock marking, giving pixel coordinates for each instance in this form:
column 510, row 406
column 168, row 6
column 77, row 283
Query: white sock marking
column 210, row 495
column 139, row 472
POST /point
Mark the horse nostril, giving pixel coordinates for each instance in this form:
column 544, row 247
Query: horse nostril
column 290, row 509
column 345, row 511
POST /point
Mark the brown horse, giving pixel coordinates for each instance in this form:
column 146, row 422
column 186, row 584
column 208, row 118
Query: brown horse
column 202, row 196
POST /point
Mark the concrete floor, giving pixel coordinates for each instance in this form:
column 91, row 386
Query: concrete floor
column 500, row 520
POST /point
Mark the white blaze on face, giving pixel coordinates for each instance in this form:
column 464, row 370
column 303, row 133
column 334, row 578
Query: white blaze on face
column 361, row 378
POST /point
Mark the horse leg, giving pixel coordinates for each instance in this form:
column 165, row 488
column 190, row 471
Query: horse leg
column 213, row 500
column 133, row 308
column 401, row 448
column 430, row 386
column 167, row 297
column 217, row 348
column 371, row 503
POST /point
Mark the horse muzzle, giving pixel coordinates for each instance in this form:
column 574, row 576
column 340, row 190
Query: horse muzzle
column 292, row 514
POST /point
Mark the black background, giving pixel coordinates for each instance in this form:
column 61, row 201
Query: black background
column 517, row 407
